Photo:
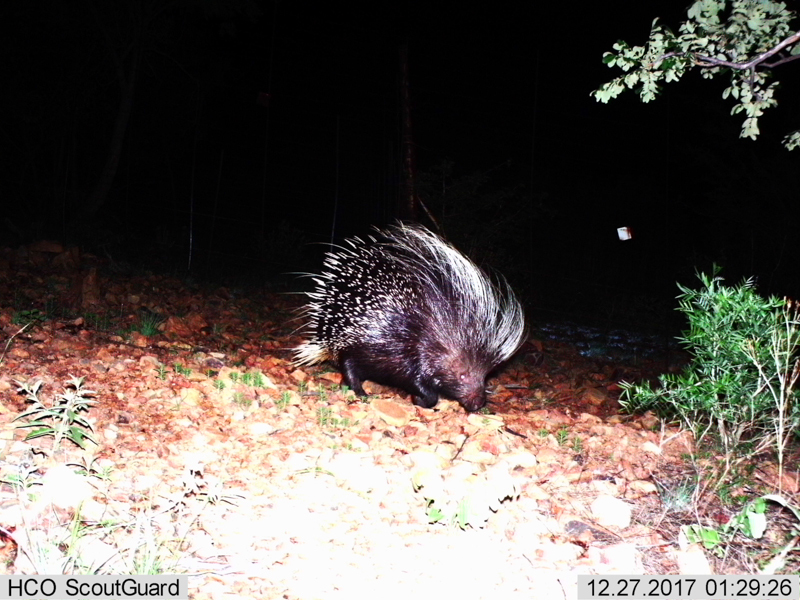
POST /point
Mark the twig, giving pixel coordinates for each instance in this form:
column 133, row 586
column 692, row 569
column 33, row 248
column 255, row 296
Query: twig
column 11, row 339
column 517, row 433
column 464, row 443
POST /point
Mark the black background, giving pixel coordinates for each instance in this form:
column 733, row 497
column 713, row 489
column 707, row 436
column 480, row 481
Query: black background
column 538, row 174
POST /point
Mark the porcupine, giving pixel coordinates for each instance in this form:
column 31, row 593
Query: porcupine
column 405, row 308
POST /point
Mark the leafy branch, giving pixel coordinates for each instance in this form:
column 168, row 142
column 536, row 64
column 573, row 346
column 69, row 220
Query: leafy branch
column 737, row 37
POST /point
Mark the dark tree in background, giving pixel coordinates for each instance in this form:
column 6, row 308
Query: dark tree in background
column 77, row 71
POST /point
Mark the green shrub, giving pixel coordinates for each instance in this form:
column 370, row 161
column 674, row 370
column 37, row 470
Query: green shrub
column 740, row 383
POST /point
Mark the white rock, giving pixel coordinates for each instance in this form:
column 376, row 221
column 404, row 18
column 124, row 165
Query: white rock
column 611, row 512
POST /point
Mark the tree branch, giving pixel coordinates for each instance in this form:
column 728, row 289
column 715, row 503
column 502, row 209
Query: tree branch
column 782, row 61
column 708, row 61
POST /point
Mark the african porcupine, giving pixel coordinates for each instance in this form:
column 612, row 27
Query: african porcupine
column 406, row 309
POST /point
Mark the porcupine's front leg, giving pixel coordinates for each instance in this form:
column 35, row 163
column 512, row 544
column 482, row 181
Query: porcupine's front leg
column 349, row 368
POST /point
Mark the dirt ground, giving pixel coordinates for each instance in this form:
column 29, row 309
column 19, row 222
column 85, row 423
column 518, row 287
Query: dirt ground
column 216, row 457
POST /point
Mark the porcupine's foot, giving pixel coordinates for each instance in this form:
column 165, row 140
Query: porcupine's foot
column 425, row 398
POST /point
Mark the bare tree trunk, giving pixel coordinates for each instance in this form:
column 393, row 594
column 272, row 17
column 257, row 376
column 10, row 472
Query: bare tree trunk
column 127, row 85
column 124, row 28
column 407, row 205
column 130, row 28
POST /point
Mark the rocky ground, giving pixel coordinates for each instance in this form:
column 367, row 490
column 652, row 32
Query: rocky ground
column 214, row 456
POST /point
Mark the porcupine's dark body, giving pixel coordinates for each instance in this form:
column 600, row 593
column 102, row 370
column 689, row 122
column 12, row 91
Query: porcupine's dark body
column 406, row 309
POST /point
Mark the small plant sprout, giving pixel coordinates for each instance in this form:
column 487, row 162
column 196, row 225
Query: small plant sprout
column 562, row 436
column 150, row 323
column 258, row 379
column 284, row 401
column 324, row 416
column 22, row 478
column 323, row 394
column 181, row 370
column 61, row 420
column 101, row 322
column 91, row 468
column 252, row 379
column 241, row 400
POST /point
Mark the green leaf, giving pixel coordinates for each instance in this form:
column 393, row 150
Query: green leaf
column 463, row 513
column 792, row 140
column 710, row 538
column 79, row 436
column 40, row 433
column 434, row 514
column 756, row 525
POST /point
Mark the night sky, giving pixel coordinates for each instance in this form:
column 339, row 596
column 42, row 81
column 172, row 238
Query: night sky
column 519, row 165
